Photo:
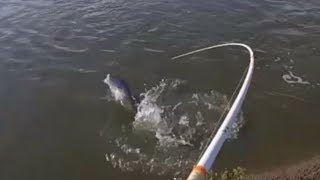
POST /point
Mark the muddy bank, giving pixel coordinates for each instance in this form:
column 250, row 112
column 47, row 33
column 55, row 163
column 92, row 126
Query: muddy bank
column 305, row 170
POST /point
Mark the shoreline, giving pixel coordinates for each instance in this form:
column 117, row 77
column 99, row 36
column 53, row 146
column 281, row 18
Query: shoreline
column 308, row 169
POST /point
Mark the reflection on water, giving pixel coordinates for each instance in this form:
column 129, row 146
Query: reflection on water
column 55, row 123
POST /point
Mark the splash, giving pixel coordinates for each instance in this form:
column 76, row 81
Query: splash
column 149, row 114
column 169, row 130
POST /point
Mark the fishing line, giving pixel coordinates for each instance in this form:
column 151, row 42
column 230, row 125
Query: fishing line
column 246, row 79
column 224, row 113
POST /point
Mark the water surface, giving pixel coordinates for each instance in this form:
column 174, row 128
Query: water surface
column 56, row 124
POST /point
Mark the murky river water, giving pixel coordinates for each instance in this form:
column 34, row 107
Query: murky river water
column 55, row 122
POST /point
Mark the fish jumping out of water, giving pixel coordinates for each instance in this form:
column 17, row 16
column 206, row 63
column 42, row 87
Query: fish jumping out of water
column 121, row 92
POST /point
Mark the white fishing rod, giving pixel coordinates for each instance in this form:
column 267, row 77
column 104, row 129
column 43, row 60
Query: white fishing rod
column 200, row 170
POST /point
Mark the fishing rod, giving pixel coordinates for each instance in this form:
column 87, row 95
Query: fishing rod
column 200, row 170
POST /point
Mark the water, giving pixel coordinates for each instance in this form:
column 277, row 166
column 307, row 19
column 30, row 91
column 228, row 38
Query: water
column 169, row 129
column 55, row 122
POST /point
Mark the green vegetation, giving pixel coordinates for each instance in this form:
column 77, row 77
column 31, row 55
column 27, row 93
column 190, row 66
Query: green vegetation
column 237, row 173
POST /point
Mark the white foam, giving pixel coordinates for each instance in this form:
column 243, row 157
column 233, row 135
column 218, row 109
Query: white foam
column 148, row 115
column 200, row 119
column 184, row 120
column 293, row 79
column 235, row 127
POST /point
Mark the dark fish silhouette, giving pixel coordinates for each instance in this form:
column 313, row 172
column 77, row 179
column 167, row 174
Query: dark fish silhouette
column 121, row 92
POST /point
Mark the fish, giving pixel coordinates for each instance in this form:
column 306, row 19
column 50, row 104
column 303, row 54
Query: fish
column 121, row 92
